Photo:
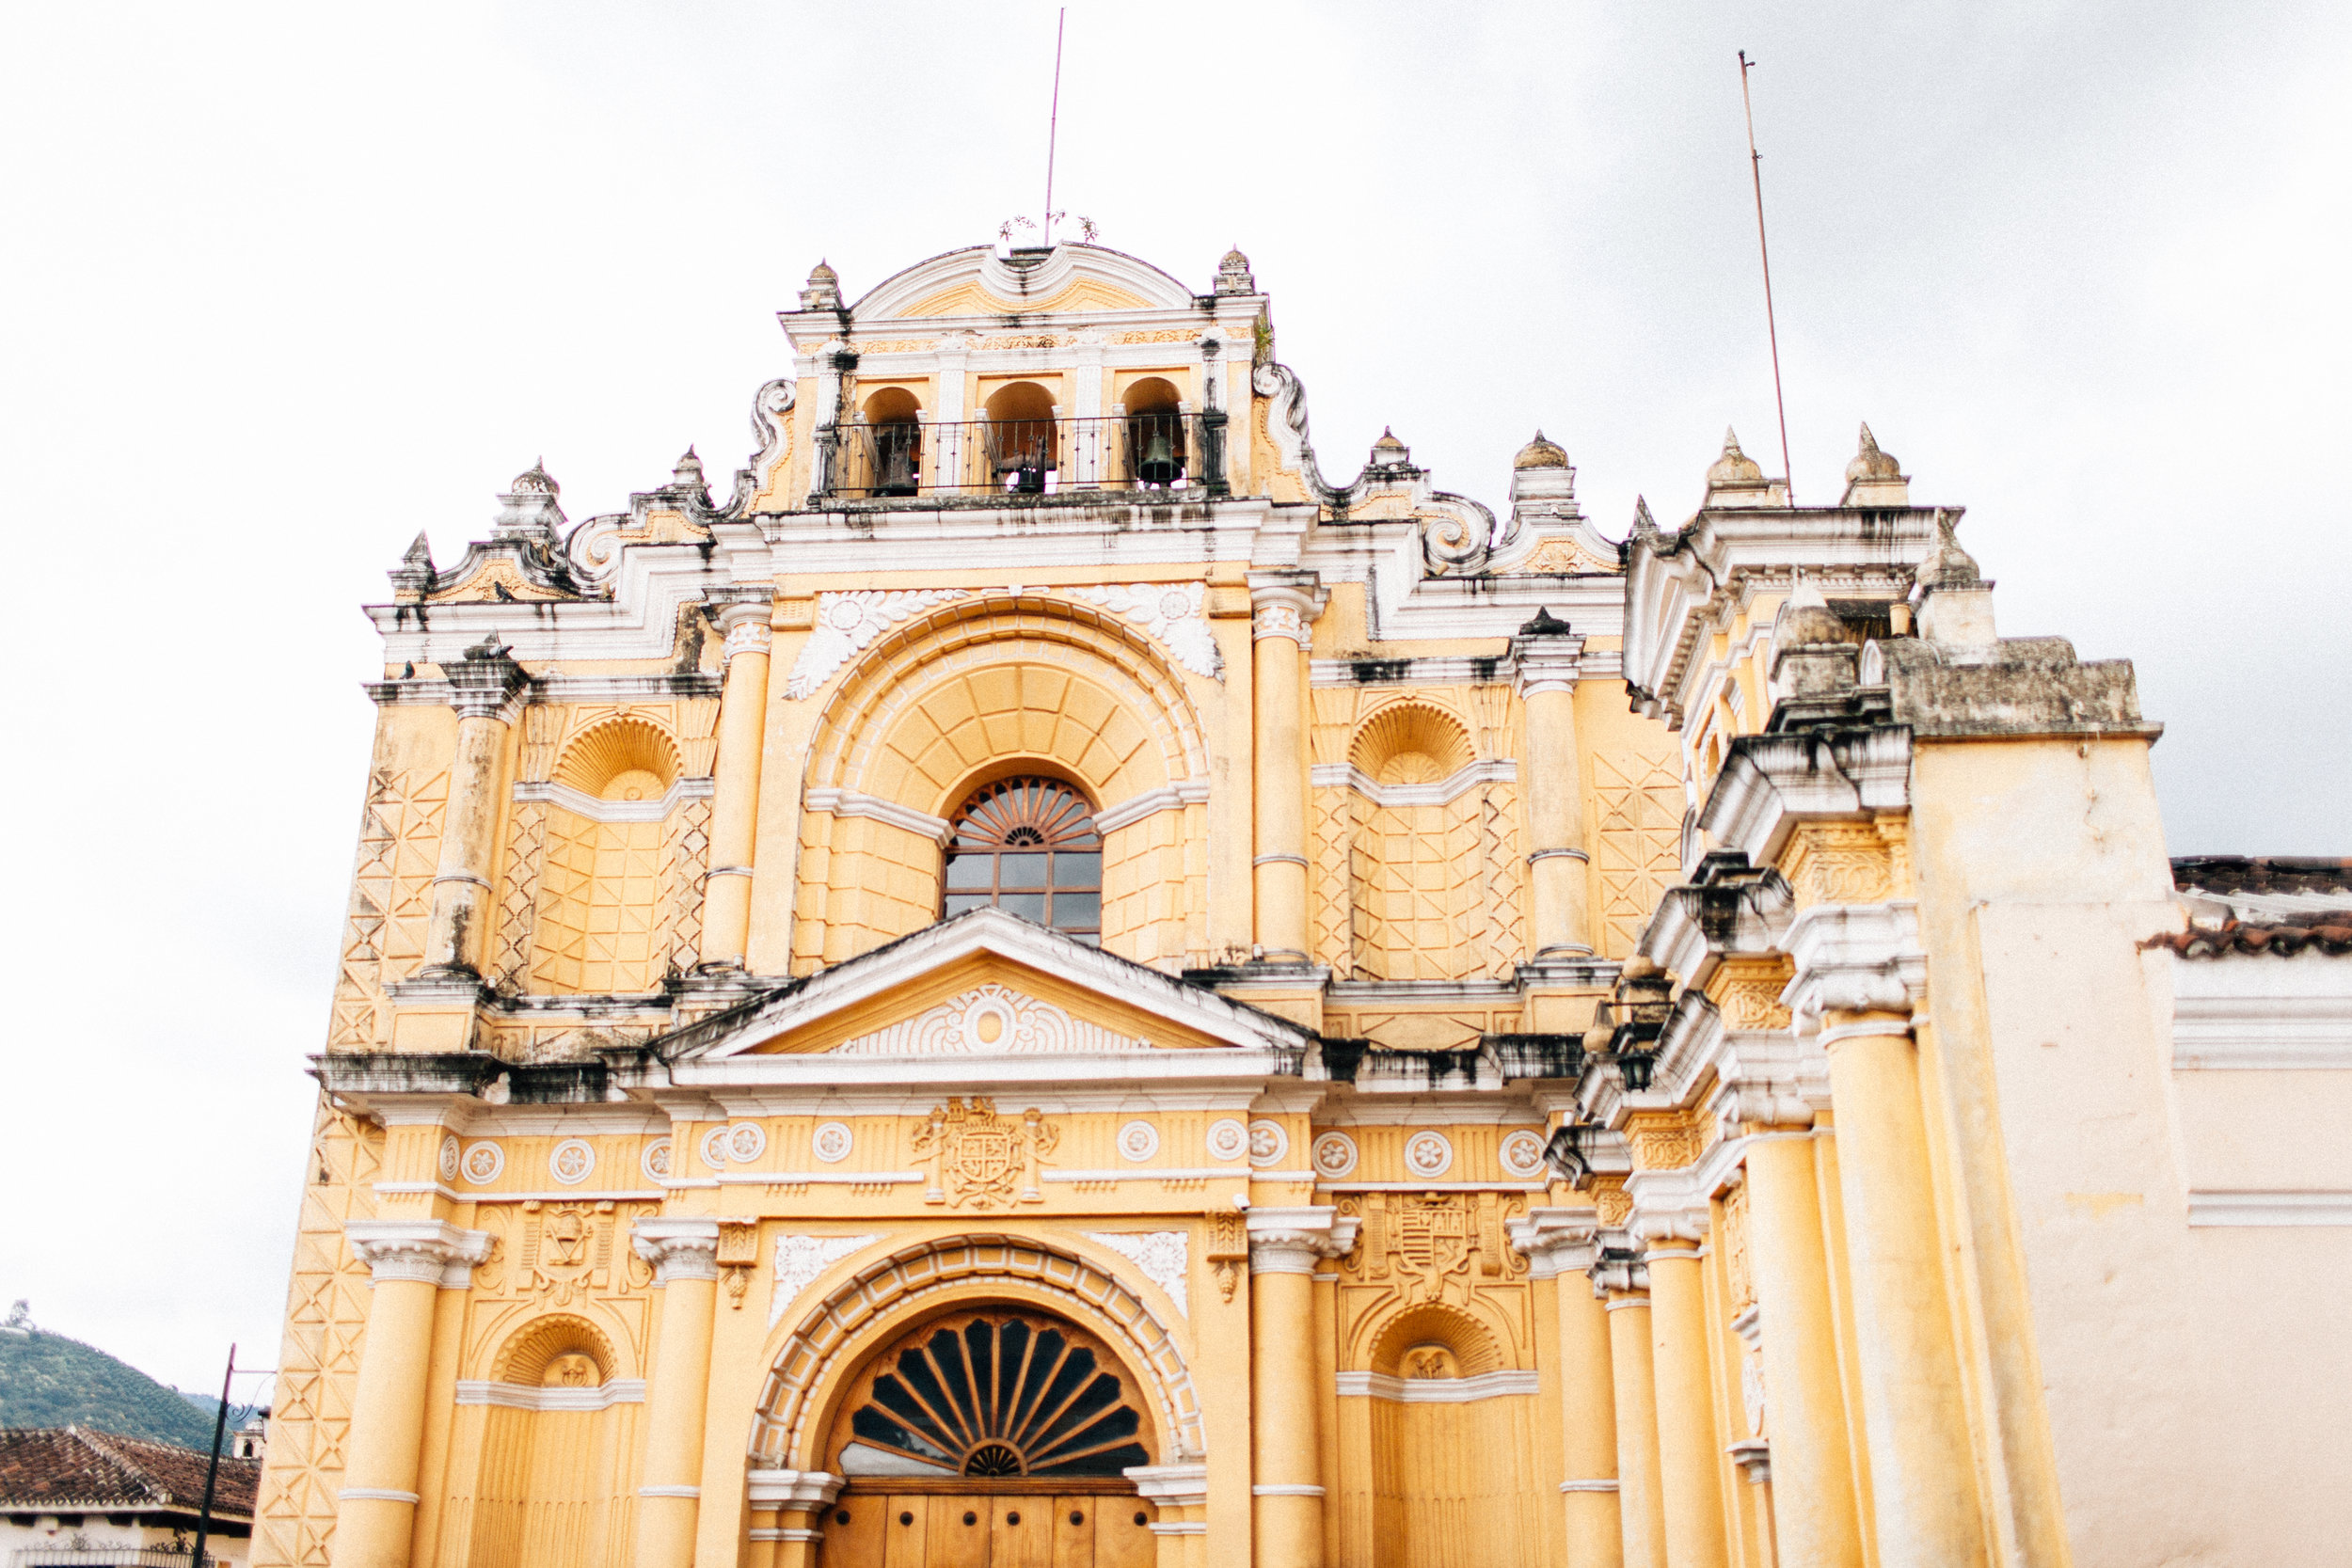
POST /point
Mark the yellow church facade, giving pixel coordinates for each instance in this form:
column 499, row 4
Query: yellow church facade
column 1046, row 985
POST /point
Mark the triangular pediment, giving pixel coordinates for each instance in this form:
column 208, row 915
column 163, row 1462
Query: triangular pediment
column 988, row 987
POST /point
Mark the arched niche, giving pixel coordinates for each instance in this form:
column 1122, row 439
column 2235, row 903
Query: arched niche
column 543, row 1452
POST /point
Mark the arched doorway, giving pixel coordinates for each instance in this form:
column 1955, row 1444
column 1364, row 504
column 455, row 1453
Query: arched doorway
column 990, row 1438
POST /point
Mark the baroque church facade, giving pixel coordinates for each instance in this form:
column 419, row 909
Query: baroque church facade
column 1047, row 985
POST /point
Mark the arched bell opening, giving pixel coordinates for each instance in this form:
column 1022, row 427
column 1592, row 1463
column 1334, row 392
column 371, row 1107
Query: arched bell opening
column 1023, row 447
column 991, row 1434
column 1158, row 456
column 894, row 439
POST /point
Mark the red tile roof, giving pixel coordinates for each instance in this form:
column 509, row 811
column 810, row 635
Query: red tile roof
column 2237, row 936
column 2306, row 874
column 68, row 1468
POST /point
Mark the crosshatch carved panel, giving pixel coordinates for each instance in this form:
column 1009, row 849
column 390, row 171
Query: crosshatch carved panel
column 1637, row 809
column 391, row 901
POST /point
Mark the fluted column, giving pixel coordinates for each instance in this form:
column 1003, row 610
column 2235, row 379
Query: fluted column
column 1622, row 1285
column 1923, row 1477
column 1561, row 1246
column 735, row 809
column 410, row 1260
column 1812, row 1469
column 484, row 680
column 1284, row 611
column 685, row 1257
column 1548, row 655
column 1287, row 1482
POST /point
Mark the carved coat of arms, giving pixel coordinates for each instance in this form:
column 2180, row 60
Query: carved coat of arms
column 979, row 1158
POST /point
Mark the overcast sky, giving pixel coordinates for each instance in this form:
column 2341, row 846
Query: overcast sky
column 282, row 285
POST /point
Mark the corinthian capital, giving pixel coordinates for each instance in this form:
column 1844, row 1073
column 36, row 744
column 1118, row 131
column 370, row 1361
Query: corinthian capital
column 423, row 1251
column 1290, row 1240
column 678, row 1248
column 1555, row 1241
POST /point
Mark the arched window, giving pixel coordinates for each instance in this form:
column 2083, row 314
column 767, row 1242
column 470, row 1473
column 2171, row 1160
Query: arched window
column 1029, row 847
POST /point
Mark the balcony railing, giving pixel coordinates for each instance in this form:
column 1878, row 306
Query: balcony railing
column 102, row 1557
column 1177, row 452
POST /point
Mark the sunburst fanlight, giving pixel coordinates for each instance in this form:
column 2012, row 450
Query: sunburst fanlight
column 994, row 1396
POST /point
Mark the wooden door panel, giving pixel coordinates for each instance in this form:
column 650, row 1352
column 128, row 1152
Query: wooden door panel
column 1073, row 1529
column 959, row 1532
column 1122, row 1537
column 859, row 1543
column 1022, row 1534
column 905, row 1522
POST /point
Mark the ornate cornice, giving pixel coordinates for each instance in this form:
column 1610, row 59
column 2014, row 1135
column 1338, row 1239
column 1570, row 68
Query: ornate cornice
column 1770, row 783
column 1556, row 1241
column 678, row 1248
column 1854, row 959
column 423, row 1251
column 1292, row 1240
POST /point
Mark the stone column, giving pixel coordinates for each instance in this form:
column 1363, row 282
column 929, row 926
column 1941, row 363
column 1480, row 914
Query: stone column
column 1622, row 1284
column 685, row 1257
column 1548, row 657
column 735, row 808
column 1561, row 1247
column 798, row 1500
column 1284, row 611
column 1284, row 1244
column 485, row 680
column 1689, row 1481
column 1180, row 1493
column 411, row 1260
column 1922, row 1473
column 1811, row 1467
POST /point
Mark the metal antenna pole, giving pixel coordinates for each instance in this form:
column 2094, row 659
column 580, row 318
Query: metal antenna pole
column 211, row 1470
column 1755, row 169
column 1053, row 125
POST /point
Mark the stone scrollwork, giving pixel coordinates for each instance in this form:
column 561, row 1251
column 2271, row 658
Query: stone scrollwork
column 1164, row 1255
column 989, row 1021
column 801, row 1258
column 1174, row 612
column 848, row 623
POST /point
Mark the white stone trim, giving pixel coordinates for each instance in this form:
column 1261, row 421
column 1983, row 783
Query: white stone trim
column 1588, row 1486
column 848, row 623
column 1437, row 1390
column 1280, row 1490
column 1151, row 802
column 581, row 804
column 1173, row 612
column 2279, row 1208
column 1179, row 1529
column 792, row 1488
column 425, row 1252
column 516, row 1395
column 1147, row 1173
column 800, row 1259
column 1164, row 1258
column 375, row 1495
column 1170, row 1485
column 2260, row 1011
column 1496, row 1186
column 1025, row 1027
column 691, row 1493
column 1430, row 670
column 1346, row 775
column 678, row 1248
column 848, row 802
column 790, row 1532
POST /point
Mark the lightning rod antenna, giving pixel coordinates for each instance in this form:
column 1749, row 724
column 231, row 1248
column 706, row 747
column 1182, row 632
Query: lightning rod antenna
column 1053, row 124
column 1771, row 328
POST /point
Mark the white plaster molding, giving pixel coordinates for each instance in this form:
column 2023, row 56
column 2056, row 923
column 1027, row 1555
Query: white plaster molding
column 2263, row 1011
column 1173, row 612
column 2279, row 1208
column 799, row 1489
column 1291, row 1490
column 1334, row 1155
column 1436, row 1390
column 1288, row 1239
column 689, row 1493
column 375, row 1495
column 426, row 1252
column 678, row 1248
column 1172, row 1485
column 1854, row 957
column 1151, row 802
column 1556, row 1241
column 1428, row 670
column 1428, row 1153
column 589, row 806
column 1770, row 783
column 989, row 1021
column 800, row 1259
column 515, row 1396
column 848, row 623
column 1588, row 1486
column 1147, row 1173
column 1346, row 775
column 848, row 802
column 1139, row 1140
column 1163, row 1255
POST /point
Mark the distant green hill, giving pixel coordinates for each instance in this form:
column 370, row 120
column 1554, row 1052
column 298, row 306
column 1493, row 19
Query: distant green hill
column 48, row 1380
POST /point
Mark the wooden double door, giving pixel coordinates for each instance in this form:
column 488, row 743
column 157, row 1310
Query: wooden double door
column 1032, row 1527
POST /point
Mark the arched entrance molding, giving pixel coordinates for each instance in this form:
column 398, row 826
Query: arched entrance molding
column 817, row 1360
column 904, row 667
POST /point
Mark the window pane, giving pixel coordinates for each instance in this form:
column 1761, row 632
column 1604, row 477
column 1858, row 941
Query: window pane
column 1029, row 906
column 969, row 871
column 958, row 902
column 1071, row 870
column 1081, row 911
column 1021, row 871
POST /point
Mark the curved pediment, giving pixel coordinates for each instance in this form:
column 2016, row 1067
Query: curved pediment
column 1070, row 280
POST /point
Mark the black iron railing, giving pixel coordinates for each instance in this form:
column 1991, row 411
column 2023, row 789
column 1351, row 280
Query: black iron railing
column 1154, row 451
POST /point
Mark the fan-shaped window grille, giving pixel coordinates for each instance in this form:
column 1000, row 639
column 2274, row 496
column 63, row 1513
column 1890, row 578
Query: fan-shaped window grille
column 996, row 1396
column 1029, row 847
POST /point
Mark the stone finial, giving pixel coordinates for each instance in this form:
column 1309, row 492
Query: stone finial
column 1956, row 600
column 529, row 510
column 1545, row 624
column 1735, row 479
column 1233, row 274
column 1389, row 453
column 1805, row 618
column 1643, row 521
column 1874, row 478
column 688, row 475
column 414, row 576
column 1541, row 453
column 1947, row 565
column 824, row 290
column 535, row 480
